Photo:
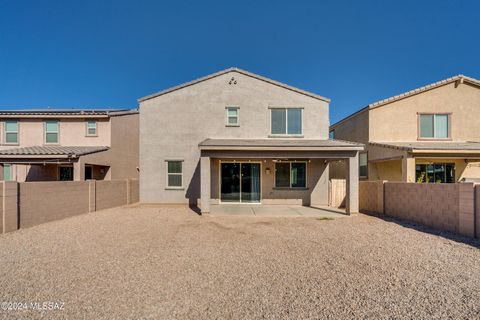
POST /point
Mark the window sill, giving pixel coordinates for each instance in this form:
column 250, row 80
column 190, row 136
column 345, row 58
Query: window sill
column 232, row 125
column 91, row 136
column 174, row 188
column 285, row 136
column 291, row 189
column 11, row 144
column 434, row 139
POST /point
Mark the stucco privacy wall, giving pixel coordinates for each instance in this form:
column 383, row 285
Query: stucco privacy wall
column 450, row 207
column 33, row 203
column 172, row 126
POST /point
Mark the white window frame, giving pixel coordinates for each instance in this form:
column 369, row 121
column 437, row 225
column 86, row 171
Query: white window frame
column 45, row 132
column 449, row 126
column 290, row 175
column 167, row 174
column 88, row 134
column 5, row 132
column 286, row 134
column 366, row 155
column 227, row 123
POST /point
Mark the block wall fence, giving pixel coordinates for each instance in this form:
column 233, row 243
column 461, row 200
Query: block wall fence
column 26, row 204
column 453, row 207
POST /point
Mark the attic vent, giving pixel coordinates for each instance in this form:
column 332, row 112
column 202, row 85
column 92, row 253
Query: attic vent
column 232, row 81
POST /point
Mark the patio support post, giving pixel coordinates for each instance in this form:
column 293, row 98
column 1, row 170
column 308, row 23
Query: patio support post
column 205, row 184
column 352, row 184
column 78, row 170
column 408, row 169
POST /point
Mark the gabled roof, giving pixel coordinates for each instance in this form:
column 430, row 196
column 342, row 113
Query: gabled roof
column 233, row 69
column 50, row 151
column 460, row 78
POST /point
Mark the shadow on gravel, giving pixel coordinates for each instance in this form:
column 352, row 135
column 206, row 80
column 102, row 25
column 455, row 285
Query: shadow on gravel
column 422, row 228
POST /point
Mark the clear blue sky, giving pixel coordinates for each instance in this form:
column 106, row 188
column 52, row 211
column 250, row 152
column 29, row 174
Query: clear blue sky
column 97, row 54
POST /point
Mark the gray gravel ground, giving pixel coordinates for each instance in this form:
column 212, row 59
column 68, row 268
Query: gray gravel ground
column 166, row 263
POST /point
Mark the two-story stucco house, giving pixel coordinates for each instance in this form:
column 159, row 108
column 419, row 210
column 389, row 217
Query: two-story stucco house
column 430, row 134
column 72, row 144
column 237, row 137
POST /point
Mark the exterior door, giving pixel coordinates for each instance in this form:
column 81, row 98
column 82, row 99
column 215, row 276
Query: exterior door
column 240, row 182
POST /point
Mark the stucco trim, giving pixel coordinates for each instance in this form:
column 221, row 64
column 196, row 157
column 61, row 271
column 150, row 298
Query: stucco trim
column 233, row 69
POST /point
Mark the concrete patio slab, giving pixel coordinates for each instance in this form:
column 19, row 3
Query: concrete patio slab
column 276, row 211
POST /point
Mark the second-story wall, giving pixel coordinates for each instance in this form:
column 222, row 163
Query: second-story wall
column 398, row 121
column 354, row 128
column 72, row 132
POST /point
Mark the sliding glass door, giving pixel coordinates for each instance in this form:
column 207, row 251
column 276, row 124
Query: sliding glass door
column 240, row 182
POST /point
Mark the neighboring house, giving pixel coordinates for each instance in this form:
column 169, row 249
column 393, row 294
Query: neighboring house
column 49, row 145
column 430, row 134
column 237, row 137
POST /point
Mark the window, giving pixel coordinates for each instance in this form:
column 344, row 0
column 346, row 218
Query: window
column 286, row 121
column 435, row 173
column 7, row 172
column 11, row 132
column 331, row 135
column 363, row 165
column 434, row 126
column 174, row 174
column 232, row 116
column 51, row 131
column 65, row 173
column 91, row 128
column 290, row 175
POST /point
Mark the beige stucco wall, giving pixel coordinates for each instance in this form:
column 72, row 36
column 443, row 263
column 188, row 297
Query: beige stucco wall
column 123, row 155
column 172, row 125
column 397, row 121
column 354, row 129
column 72, row 132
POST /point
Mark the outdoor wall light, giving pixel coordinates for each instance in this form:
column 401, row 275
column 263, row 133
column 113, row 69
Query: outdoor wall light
column 267, row 170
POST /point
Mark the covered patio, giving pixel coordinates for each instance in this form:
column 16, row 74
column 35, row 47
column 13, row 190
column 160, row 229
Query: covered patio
column 52, row 163
column 287, row 172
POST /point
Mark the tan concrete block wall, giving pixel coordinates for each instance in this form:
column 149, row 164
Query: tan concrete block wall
column 477, row 210
column 434, row 205
column 41, row 202
column 9, row 206
column 371, row 196
column 1, row 208
column 110, row 194
column 134, row 191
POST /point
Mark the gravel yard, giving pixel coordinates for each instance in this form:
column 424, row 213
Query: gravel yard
column 154, row 263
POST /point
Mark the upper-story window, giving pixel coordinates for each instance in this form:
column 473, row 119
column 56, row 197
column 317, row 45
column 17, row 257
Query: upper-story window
column 11, row 132
column 91, row 128
column 51, row 131
column 331, row 135
column 286, row 121
column 434, row 126
column 232, row 116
